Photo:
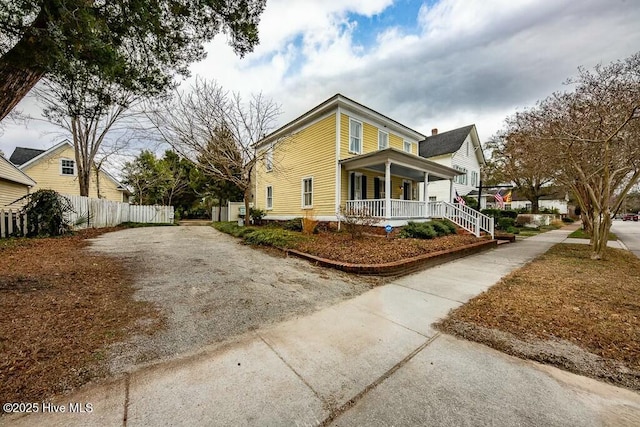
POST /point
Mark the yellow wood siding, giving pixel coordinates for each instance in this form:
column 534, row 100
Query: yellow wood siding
column 46, row 172
column 11, row 191
column 370, row 138
column 308, row 153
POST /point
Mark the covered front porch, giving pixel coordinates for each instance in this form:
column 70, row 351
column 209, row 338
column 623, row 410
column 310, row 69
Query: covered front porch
column 396, row 175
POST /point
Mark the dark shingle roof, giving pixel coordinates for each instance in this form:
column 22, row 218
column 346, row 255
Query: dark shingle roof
column 444, row 143
column 22, row 155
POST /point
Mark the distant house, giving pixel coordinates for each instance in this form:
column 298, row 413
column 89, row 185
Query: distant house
column 555, row 198
column 14, row 184
column 459, row 149
column 56, row 169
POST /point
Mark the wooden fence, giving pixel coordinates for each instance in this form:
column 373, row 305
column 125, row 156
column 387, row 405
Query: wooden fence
column 91, row 213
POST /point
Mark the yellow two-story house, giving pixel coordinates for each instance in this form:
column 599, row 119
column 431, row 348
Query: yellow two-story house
column 342, row 155
column 56, row 169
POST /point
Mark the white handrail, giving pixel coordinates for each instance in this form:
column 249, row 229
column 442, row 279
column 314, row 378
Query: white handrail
column 462, row 215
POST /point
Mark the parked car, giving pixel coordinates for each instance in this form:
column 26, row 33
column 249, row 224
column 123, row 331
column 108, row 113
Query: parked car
column 630, row 217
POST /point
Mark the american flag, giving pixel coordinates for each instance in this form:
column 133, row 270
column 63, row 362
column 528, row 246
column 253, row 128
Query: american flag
column 499, row 199
column 459, row 199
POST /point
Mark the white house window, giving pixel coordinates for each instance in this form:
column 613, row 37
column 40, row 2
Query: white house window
column 355, row 137
column 467, row 143
column 407, row 146
column 383, row 140
column 67, row 167
column 307, row 192
column 460, row 179
column 269, row 197
column 474, row 178
column 268, row 159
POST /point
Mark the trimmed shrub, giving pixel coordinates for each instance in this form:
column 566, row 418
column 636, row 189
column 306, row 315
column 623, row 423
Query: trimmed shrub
column 440, row 228
column 506, row 223
column 418, row 230
column 523, row 220
column 568, row 220
column 493, row 213
column 452, row 227
column 293, row 224
column 509, row 214
column 271, row 237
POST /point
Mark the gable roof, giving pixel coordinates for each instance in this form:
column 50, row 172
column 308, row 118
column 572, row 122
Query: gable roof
column 445, row 142
column 10, row 172
column 46, row 153
column 22, row 155
column 339, row 100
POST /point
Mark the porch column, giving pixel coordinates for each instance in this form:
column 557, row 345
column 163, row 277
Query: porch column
column 387, row 189
column 425, row 195
column 451, row 191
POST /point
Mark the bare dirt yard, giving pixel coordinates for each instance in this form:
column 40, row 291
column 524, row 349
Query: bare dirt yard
column 565, row 310
column 210, row 287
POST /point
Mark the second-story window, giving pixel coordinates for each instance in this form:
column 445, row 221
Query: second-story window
column 355, row 137
column 268, row 159
column 383, row 140
column 407, row 146
column 67, row 167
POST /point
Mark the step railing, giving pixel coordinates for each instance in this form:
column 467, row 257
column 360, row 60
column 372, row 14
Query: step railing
column 463, row 216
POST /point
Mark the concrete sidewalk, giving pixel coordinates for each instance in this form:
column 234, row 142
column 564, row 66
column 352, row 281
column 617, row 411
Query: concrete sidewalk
column 372, row 360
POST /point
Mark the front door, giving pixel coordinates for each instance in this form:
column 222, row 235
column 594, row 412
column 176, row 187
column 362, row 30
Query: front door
column 406, row 190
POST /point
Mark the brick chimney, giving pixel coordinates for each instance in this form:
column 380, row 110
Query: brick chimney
column 434, row 131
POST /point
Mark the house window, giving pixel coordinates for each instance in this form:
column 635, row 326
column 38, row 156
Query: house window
column 355, row 137
column 269, row 197
column 358, row 186
column 67, row 167
column 474, row 178
column 467, row 148
column 268, row 159
column 407, row 146
column 460, row 179
column 307, row 192
column 383, row 140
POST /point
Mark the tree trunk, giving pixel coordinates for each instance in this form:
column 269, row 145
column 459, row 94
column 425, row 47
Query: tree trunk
column 19, row 69
column 535, row 205
column 84, row 178
column 247, row 197
column 15, row 83
column 600, row 234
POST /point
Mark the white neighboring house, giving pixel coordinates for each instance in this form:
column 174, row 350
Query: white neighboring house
column 459, row 149
column 555, row 199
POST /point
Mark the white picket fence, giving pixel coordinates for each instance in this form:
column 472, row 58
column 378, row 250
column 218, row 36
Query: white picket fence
column 97, row 213
column 91, row 213
column 12, row 223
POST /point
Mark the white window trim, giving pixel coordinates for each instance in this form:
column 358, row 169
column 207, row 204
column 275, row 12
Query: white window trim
column 404, row 146
column 266, row 191
column 302, row 192
column 351, row 120
column 381, row 132
column 268, row 159
column 461, row 179
column 474, row 178
column 75, row 170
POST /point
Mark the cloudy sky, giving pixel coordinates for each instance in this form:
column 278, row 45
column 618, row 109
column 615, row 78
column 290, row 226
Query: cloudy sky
column 426, row 64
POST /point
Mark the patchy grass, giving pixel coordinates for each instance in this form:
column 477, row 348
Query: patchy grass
column 566, row 310
column 61, row 308
column 580, row 234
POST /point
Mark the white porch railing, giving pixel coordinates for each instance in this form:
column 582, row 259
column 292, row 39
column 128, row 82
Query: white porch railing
column 462, row 215
column 399, row 208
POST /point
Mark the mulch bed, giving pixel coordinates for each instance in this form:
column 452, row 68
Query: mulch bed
column 566, row 310
column 61, row 307
column 375, row 249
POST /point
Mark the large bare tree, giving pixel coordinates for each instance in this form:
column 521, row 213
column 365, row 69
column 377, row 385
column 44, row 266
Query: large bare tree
column 96, row 116
column 217, row 130
column 591, row 136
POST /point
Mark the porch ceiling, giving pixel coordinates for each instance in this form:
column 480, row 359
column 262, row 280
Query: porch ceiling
column 402, row 164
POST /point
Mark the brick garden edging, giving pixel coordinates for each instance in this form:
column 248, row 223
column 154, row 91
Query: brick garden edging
column 402, row 267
